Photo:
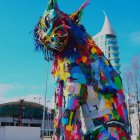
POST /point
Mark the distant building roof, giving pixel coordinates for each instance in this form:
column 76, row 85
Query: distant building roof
column 30, row 109
column 25, row 113
column 25, row 103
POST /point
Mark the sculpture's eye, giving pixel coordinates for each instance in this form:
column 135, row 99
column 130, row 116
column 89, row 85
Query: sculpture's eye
column 47, row 22
column 53, row 39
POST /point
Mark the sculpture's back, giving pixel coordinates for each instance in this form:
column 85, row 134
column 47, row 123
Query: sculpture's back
column 89, row 101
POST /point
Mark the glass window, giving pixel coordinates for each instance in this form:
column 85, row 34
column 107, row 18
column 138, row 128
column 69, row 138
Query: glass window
column 113, row 49
column 115, row 61
column 112, row 55
column 110, row 36
column 117, row 67
column 112, row 62
column 113, row 42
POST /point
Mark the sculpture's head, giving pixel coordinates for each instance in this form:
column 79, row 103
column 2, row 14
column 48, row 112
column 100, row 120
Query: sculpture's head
column 55, row 28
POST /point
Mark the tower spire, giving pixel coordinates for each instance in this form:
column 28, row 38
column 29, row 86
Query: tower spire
column 107, row 27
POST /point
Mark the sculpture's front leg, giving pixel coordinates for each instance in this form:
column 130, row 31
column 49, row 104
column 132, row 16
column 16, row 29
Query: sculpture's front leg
column 67, row 115
column 71, row 114
column 58, row 109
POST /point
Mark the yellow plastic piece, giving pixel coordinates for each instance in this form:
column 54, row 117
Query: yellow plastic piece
column 108, row 104
column 60, row 71
column 68, row 127
column 106, row 62
column 93, row 50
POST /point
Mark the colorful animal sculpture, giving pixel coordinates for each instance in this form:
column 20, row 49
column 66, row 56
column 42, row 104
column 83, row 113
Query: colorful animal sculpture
column 89, row 101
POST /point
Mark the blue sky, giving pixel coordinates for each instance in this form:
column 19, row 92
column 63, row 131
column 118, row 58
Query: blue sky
column 23, row 71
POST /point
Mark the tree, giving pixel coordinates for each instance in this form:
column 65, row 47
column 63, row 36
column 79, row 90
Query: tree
column 135, row 81
column 131, row 85
column 127, row 91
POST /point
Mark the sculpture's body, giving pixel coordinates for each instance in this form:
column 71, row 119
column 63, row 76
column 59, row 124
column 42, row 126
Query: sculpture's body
column 89, row 99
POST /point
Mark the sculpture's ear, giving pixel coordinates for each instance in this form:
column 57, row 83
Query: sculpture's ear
column 76, row 16
column 52, row 5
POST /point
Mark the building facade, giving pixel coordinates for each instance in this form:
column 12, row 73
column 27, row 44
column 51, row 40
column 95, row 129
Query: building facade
column 27, row 114
column 106, row 39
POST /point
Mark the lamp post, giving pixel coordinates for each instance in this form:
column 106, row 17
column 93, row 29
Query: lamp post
column 44, row 108
column 21, row 111
column 48, row 119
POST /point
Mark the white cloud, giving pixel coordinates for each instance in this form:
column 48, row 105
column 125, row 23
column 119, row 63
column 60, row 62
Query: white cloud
column 5, row 88
column 135, row 37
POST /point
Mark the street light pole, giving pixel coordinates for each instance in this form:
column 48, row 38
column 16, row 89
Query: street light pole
column 44, row 109
column 21, row 112
column 48, row 119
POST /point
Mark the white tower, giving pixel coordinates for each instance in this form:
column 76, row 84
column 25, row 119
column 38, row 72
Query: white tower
column 106, row 39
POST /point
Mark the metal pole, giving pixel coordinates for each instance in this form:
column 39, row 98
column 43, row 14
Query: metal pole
column 49, row 124
column 48, row 121
column 44, row 109
column 21, row 112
